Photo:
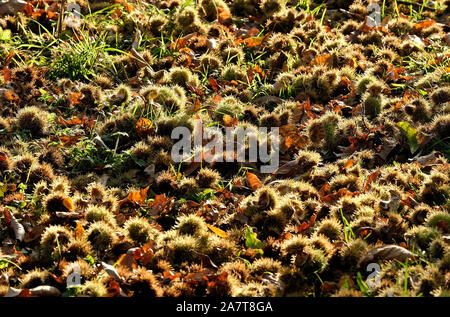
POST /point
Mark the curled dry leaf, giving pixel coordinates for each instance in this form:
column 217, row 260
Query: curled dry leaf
column 254, row 181
column 45, row 291
column 18, row 229
column 158, row 205
column 386, row 253
column 13, row 292
column 111, row 271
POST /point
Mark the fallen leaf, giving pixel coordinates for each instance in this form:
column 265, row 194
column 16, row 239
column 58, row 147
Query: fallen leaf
column 79, row 230
column 411, row 135
column 144, row 127
column 217, row 231
column 158, row 205
column 6, row 74
column 326, row 59
column 224, row 16
column 424, row 24
column 18, row 229
column 214, row 84
column 137, row 198
column 386, row 253
column 9, row 95
column 349, row 164
column 370, row 180
column 45, row 291
column 254, row 181
column 111, row 271
column 230, row 121
column 67, row 202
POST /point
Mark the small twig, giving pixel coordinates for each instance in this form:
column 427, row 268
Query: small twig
column 60, row 18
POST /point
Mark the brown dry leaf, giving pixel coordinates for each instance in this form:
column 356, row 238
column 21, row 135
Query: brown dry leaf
column 254, row 181
column 294, row 139
column 370, row 180
column 217, row 231
column 8, row 58
column 73, row 121
column 288, row 169
column 6, row 74
column 158, row 205
column 181, row 42
column 386, row 253
column 67, row 139
column 214, row 84
column 113, row 289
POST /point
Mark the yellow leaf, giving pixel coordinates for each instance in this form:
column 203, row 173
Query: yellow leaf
column 217, row 231
column 67, row 202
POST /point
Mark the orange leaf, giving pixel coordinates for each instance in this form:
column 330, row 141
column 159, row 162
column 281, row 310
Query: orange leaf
column 67, row 202
column 325, row 59
column 67, row 140
column 126, row 5
column 170, row 275
column 52, row 15
column 28, row 9
column 214, row 84
column 217, row 231
column 8, row 58
column 6, row 74
column 9, row 95
column 424, row 24
column 254, row 181
column 144, row 127
column 224, row 16
column 113, row 289
column 294, row 139
column 254, row 41
column 230, row 121
column 349, row 164
column 371, row 178
column 79, row 230
column 75, row 97
column 25, row 293
column 73, row 121
column 138, row 197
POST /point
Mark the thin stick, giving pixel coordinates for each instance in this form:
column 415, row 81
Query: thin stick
column 60, row 17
